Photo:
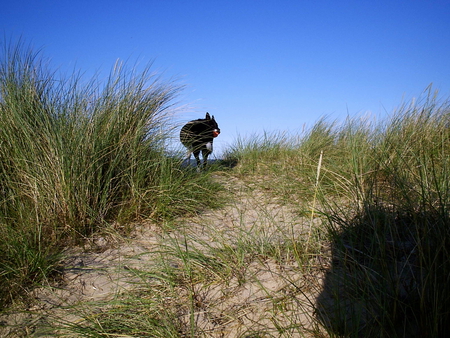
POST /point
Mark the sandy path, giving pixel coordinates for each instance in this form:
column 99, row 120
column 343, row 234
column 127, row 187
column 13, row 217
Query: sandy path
column 242, row 305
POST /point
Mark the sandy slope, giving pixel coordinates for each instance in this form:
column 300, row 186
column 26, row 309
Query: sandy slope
column 266, row 294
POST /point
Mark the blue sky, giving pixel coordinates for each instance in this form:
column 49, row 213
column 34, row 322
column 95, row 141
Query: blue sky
column 269, row 65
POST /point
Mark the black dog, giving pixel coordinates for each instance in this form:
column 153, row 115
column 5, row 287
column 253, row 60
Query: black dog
column 198, row 135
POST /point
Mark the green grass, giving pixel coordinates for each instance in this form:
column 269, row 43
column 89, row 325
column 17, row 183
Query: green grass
column 383, row 192
column 78, row 156
column 371, row 259
column 340, row 231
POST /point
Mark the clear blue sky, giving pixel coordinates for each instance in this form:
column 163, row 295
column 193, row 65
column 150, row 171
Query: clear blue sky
column 256, row 65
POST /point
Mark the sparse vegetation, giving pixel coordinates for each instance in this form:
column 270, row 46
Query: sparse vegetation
column 342, row 231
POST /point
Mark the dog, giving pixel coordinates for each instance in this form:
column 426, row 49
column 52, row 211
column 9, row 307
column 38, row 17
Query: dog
column 197, row 136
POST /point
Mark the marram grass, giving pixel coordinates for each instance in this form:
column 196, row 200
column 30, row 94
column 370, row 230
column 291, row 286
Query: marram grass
column 383, row 193
column 374, row 198
column 77, row 156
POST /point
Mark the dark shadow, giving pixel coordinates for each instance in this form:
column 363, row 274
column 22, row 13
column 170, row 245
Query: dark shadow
column 226, row 163
column 389, row 275
column 215, row 164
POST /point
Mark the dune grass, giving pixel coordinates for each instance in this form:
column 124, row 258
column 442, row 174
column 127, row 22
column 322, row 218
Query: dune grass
column 78, row 156
column 362, row 250
column 344, row 264
column 341, row 231
column 383, row 193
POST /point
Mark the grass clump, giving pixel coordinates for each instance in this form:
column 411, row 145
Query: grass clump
column 383, row 192
column 77, row 156
column 391, row 250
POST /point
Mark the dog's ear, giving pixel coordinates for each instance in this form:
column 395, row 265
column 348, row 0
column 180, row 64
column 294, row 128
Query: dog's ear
column 208, row 117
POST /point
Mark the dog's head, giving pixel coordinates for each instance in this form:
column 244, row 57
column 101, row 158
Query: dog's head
column 213, row 125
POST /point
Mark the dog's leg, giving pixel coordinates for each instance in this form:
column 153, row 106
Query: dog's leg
column 197, row 159
column 206, row 152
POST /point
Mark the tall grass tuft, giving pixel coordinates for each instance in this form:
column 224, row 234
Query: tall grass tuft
column 78, row 155
column 395, row 243
column 383, row 194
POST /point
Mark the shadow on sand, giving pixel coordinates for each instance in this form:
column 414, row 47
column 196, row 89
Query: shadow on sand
column 389, row 275
column 212, row 163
